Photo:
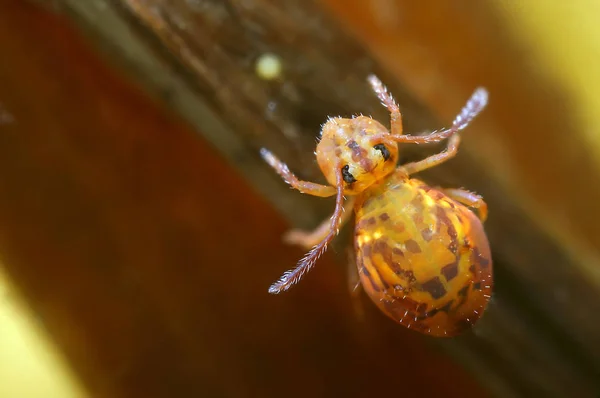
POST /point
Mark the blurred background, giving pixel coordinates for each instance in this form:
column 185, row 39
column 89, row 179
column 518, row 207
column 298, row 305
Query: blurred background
column 140, row 230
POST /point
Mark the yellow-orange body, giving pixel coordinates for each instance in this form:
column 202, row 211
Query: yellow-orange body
column 422, row 257
column 422, row 254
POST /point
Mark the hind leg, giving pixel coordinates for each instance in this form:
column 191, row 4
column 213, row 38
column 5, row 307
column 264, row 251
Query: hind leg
column 354, row 285
column 307, row 239
column 469, row 199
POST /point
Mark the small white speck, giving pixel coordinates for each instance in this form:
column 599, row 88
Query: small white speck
column 268, row 66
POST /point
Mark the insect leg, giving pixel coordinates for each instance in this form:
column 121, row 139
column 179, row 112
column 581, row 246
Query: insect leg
column 308, row 239
column 469, row 199
column 433, row 160
column 474, row 106
column 307, row 187
column 292, row 276
column 388, row 101
column 354, row 285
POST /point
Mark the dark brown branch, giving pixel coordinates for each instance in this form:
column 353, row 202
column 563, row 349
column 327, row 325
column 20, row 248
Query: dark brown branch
column 200, row 59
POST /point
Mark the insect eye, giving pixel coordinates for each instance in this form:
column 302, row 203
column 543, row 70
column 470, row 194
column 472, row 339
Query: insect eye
column 348, row 177
column 384, row 151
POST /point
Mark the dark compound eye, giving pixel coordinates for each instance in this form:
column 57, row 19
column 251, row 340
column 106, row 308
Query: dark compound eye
column 348, row 177
column 384, row 151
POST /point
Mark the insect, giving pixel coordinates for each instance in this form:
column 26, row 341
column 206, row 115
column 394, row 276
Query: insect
column 421, row 253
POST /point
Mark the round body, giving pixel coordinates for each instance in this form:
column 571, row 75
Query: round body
column 422, row 257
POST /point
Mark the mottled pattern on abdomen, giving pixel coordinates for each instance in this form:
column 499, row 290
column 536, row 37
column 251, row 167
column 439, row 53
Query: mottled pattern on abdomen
column 423, row 258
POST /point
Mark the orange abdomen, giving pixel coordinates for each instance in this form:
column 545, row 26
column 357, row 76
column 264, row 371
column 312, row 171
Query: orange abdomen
column 422, row 257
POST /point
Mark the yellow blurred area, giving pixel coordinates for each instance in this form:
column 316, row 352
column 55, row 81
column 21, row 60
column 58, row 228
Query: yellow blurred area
column 30, row 365
column 565, row 37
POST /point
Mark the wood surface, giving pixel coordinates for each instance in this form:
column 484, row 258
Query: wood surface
column 147, row 257
column 160, row 206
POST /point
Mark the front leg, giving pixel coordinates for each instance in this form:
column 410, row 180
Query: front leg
column 308, row 239
column 433, row 160
column 292, row 276
column 474, row 106
column 469, row 199
column 307, row 187
column 388, row 101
